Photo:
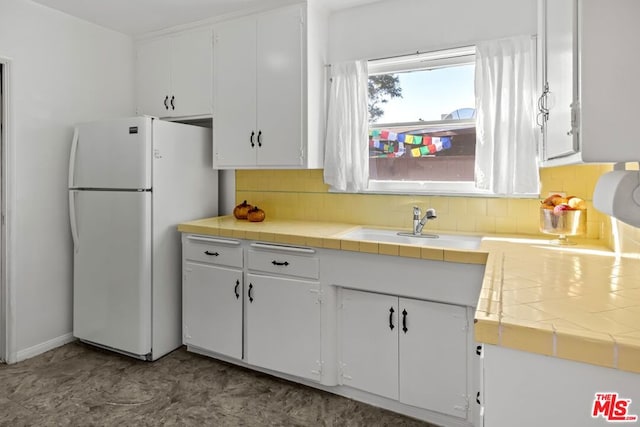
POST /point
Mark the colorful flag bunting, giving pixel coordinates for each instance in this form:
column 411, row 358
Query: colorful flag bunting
column 392, row 144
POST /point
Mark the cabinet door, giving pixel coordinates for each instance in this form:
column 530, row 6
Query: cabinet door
column 234, row 93
column 280, row 87
column 153, row 82
column 191, row 73
column 212, row 309
column 561, row 75
column 283, row 325
column 369, row 342
column 433, row 356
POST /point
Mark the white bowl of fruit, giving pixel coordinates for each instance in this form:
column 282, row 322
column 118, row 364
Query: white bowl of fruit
column 563, row 216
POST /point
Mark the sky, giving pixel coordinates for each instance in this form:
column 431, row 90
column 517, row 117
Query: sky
column 427, row 95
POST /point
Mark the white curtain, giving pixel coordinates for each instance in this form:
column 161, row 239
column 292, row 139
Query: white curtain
column 506, row 135
column 346, row 159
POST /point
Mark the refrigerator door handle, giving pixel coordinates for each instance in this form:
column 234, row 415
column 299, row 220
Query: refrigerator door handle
column 72, row 157
column 72, row 219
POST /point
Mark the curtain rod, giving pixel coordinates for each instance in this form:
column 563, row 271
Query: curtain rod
column 417, row 52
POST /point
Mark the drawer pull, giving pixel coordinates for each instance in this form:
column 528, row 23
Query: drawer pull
column 211, row 253
column 235, row 290
column 274, row 262
column 249, row 292
column 404, row 321
column 391, row 318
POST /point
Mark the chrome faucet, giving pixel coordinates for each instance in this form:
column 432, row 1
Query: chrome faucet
column 418, row 224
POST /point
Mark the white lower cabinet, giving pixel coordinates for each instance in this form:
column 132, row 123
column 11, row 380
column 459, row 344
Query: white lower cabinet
column 433, row 356
column 212, row 294
column 389, row 331
column 405, row 349
column 283, row 325
column 369, row 342
column 530, row 390
column 212, row 319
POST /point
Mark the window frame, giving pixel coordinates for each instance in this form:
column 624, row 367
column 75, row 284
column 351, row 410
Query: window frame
column 418, row 62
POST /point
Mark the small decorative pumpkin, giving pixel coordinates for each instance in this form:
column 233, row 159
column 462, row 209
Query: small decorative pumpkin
column 241, row 211
column 256, row 214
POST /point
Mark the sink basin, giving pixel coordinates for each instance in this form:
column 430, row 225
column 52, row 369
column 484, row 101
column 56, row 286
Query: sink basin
column 449, row 241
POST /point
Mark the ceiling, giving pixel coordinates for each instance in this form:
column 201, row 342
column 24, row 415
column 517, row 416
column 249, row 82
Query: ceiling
column 136, row 17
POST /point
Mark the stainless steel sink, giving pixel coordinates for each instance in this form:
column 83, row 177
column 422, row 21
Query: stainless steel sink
column 449, row 241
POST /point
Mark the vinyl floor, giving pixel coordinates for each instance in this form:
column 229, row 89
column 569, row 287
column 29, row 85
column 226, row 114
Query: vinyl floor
column 79, row 385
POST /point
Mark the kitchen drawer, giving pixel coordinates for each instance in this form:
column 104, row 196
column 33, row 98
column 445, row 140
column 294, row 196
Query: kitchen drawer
column 213, row 250
column 287, row 260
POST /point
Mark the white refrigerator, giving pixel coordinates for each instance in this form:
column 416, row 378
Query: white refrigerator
column 131, row 181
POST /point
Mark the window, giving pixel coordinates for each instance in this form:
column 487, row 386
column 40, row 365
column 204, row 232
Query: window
column 422, row 132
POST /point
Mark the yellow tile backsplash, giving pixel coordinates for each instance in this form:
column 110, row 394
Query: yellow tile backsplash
column 302, row 194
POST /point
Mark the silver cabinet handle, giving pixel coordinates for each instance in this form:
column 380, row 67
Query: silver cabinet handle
column 283, row 248
column 212, row 240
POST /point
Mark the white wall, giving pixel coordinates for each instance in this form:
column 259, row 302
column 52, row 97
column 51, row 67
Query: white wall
column 395, row 27
column 64, row 71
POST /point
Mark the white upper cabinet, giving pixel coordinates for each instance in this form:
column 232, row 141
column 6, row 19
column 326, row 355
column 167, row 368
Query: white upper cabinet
column 560, row 75
column 268, row 84
column 153, row 78
column 279, row 73
column 234, row 86
column 174, row 74
column 590, row 70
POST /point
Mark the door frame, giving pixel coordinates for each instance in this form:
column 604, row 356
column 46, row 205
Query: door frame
column 7, row 308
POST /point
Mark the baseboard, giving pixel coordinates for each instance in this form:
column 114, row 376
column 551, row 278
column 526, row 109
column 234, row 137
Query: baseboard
column 37, row 349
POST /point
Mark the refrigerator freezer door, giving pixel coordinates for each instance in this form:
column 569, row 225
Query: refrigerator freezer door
column 112, row 269
column 112, row 154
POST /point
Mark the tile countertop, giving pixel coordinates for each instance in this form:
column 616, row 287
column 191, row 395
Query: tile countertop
column 579, row 302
